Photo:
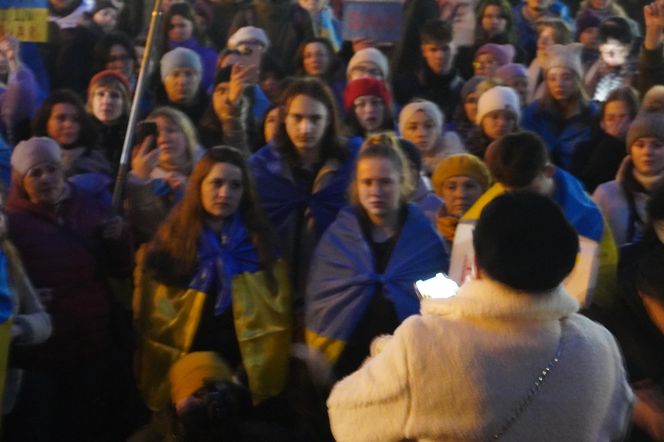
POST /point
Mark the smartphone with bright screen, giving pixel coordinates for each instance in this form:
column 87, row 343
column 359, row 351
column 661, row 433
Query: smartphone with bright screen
column 438, row 287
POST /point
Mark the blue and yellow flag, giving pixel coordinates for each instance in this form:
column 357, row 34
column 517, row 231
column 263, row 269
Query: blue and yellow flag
column 26, row 20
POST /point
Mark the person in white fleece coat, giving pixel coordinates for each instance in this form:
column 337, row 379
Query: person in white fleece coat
column 508, row 357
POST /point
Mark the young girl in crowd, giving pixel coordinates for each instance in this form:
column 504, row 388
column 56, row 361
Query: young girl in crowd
column 498, row 112
column 302, row 176
column 463, row 121
column 422, row 123
column 597, row 161
column 108, row 104
column 563, row 117
column 491, row 56
column 63, row 118
column 364, row 268
column 549, row 32
column 160, row 168
column 623, row 200
column 459, row 180
column 316, row 58
column 211, row 280
column 115, row 52
column 368, row 106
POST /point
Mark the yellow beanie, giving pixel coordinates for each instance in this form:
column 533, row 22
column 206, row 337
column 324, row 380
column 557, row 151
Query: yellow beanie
column 462, row 164
column 189, row 373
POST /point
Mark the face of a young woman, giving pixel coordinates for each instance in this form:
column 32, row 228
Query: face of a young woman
column 44, row 183
column 470, row 106
column 561, row 83
column 459, row 194
column 171, row 142
column 545, row 39
column 485, row 65
column 378, row 187
column 106, row 104
column 315, row 59
column 616, row 119
column 181, row 29
column 497, row 123
column 648, row 156
column 369, row 111
column 492, row 20
column 421, row 130
column 119, row 60
column 221, row 190
column 306, row 121
column 64, row 125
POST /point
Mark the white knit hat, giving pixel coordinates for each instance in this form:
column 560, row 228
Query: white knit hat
column 179, row 58
column 248, row 34
column 371, row 55
column 36, row 150
column 498, row 98
column 425, row 106
column 564, row 56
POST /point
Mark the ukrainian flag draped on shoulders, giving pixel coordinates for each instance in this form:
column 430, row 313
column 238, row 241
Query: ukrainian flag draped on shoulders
column 6, row 313
column 584, row 216
column 167, row 317
column 343, row 279
column 281, row 195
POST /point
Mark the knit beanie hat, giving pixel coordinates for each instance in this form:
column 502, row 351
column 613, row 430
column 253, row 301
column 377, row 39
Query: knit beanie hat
column 498, row 98
column 646, row 125
column 36, row 150
column 189, row 373
column 502, row 53
column 463, row 164
column 121, row 79
column 653, row 100
column 470, row 86
column 363, row 87
column 421, row 105
column 564, row 56
column 102, row 4
column 248, row 34
column 179, row 58
column 588, row 19
column 510, row 71
column 371, row 55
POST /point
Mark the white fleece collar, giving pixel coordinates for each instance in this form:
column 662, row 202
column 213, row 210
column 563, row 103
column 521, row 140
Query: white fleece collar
column 487, row 299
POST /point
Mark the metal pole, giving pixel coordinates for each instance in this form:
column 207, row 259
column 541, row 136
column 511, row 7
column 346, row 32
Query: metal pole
column 123, row 170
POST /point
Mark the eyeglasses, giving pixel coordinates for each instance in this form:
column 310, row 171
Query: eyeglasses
column 485, row 64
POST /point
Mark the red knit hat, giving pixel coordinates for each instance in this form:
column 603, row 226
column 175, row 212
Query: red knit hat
column 365, row 86
column 109, row 73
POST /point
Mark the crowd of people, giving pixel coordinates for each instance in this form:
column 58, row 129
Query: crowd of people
column 269, row 269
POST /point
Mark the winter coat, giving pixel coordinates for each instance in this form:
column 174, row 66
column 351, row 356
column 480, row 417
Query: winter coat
column 65, row 252
column 561, row 136
column 18, row 101
column 228, row 129
column 110, row 141
column 597, row 161
column 626, row 220
column 461, row 369
column 651, row 69
column 601, row 79
column 444, row 90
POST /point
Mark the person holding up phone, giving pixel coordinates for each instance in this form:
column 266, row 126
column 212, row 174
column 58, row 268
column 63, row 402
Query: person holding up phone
column 225, row 120
column 161, row 164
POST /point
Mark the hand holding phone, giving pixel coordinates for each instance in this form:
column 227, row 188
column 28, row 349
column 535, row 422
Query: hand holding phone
column 438, row 287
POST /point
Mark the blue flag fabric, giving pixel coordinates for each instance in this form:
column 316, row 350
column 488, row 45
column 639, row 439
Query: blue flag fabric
column 221, row 257
column 281, row 196
column 577, row 206
column 343, row 280
column 5, row 295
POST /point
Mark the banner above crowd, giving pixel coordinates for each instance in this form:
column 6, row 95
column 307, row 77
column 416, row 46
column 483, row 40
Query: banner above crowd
column 27, row 20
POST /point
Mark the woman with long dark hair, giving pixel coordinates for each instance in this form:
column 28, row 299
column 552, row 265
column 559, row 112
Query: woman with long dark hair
column 207, row 281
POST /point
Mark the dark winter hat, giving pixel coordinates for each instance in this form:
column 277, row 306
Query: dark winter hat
column 524, row 241
column 588, row 19
column 618, row 28
column 102, row 4
column 365, row 86
column 645, row 125
column 470, row 86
